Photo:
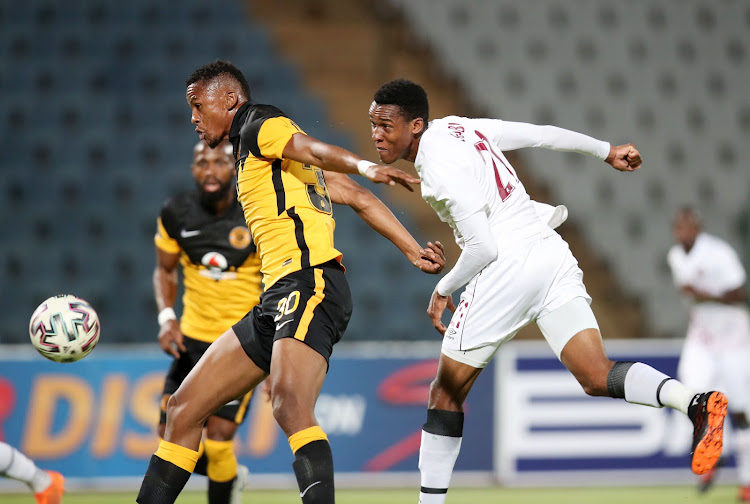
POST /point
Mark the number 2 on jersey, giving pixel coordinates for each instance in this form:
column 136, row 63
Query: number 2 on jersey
column 505, row 189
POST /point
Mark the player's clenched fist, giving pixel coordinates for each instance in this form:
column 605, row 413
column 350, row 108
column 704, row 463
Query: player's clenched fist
column 624, row 157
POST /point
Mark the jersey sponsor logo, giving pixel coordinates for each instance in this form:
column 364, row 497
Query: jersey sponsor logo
column 216, row 265
column 184, row 233
column 239, row 237
column 215, row 260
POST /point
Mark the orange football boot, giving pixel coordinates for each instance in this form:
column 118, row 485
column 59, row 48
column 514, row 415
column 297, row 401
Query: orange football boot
column 707, row 411
column 54, row 492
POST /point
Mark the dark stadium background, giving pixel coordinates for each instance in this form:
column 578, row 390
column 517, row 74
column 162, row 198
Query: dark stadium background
column 95, row 135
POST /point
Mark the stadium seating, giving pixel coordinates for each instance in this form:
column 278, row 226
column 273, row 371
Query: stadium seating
column 672, row 80
column 96, row 136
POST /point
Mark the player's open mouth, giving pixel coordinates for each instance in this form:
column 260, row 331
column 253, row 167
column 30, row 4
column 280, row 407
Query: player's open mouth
column 211, row 185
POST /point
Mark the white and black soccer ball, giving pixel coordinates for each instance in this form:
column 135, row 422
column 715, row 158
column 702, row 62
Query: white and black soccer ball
column 64, row 328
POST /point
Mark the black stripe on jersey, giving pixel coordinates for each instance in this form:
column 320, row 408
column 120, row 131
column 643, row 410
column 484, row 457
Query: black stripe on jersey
column 278, row 186
column 253, row 130
column 299, row 233
column 253, row 122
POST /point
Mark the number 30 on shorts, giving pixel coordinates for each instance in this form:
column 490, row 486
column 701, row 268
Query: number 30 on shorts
column 287, row 305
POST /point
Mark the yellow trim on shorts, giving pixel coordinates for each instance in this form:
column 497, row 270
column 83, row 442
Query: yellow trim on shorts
column 243, row 408
column 306, row 436
column 312, row 303
column 182, row 457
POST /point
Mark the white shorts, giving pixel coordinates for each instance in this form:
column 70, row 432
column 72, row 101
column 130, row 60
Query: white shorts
column 526, row 283
column 718, row 358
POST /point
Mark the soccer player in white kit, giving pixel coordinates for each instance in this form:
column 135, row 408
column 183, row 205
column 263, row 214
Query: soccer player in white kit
column 716, row 354
column 516, row 270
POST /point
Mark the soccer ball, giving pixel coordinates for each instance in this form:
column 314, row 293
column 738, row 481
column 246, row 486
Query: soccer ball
column 64, row 328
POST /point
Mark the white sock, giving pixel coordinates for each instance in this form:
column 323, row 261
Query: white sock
column 675, row 395
column 16, row 465
column 742, row 444
column 437, row 456
column 645, row 385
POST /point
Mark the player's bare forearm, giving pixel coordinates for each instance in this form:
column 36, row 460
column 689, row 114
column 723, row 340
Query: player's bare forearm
column 308, row 150
column 165, row 288
column 165, row 279
column 345, row 191
column 733, row 296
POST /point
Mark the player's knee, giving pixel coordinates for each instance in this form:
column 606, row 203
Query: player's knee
column 443, row 397
column 286, row 406
column 179, row 413
column 593, row 384
column 220, row 431
column 174, row 408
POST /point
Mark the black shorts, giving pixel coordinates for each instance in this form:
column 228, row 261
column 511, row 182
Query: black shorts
column 312, row 305
column 234, row 411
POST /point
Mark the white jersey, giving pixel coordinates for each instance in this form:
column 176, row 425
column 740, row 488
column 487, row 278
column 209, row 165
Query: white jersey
column 463, row 171
column 712, row 266
column 465, row 175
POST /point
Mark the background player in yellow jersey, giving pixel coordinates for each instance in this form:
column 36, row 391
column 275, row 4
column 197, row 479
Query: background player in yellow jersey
column 289, row 335
column 204, row 230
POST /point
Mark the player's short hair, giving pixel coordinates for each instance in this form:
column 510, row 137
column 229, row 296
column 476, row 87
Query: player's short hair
column 688, row 211
column 408, row 95
column 218, row 68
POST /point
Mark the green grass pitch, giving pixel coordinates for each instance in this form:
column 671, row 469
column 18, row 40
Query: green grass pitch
column 639, row 495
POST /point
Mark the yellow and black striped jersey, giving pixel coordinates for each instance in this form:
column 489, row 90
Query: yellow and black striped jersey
column 286, row 203
column 220, row 264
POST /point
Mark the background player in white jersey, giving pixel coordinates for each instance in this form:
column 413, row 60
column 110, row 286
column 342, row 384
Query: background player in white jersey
column 518, row 270
column 716, row 353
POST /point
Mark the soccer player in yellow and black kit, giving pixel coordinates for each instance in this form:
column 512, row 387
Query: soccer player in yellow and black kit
column 204, row 230
column 289, row 336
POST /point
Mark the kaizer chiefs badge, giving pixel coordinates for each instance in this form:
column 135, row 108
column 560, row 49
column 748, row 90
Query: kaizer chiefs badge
column 239, row 237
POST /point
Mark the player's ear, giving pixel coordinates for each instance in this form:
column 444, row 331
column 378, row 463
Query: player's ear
column 231, row 99
column 417, row 126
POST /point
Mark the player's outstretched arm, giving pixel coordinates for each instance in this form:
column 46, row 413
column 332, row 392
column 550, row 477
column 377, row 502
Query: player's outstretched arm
column 345, row 191
column 512, row 135
column 165, row 292
column 509, row 135
column 308, row 150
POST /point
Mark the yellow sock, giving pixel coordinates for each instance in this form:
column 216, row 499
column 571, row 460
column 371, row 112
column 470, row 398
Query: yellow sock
column 306, row 436
column 182, row 457
column 222, row 464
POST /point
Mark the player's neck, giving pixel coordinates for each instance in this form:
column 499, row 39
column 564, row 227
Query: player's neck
column 221, row 206
column 413, row 150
